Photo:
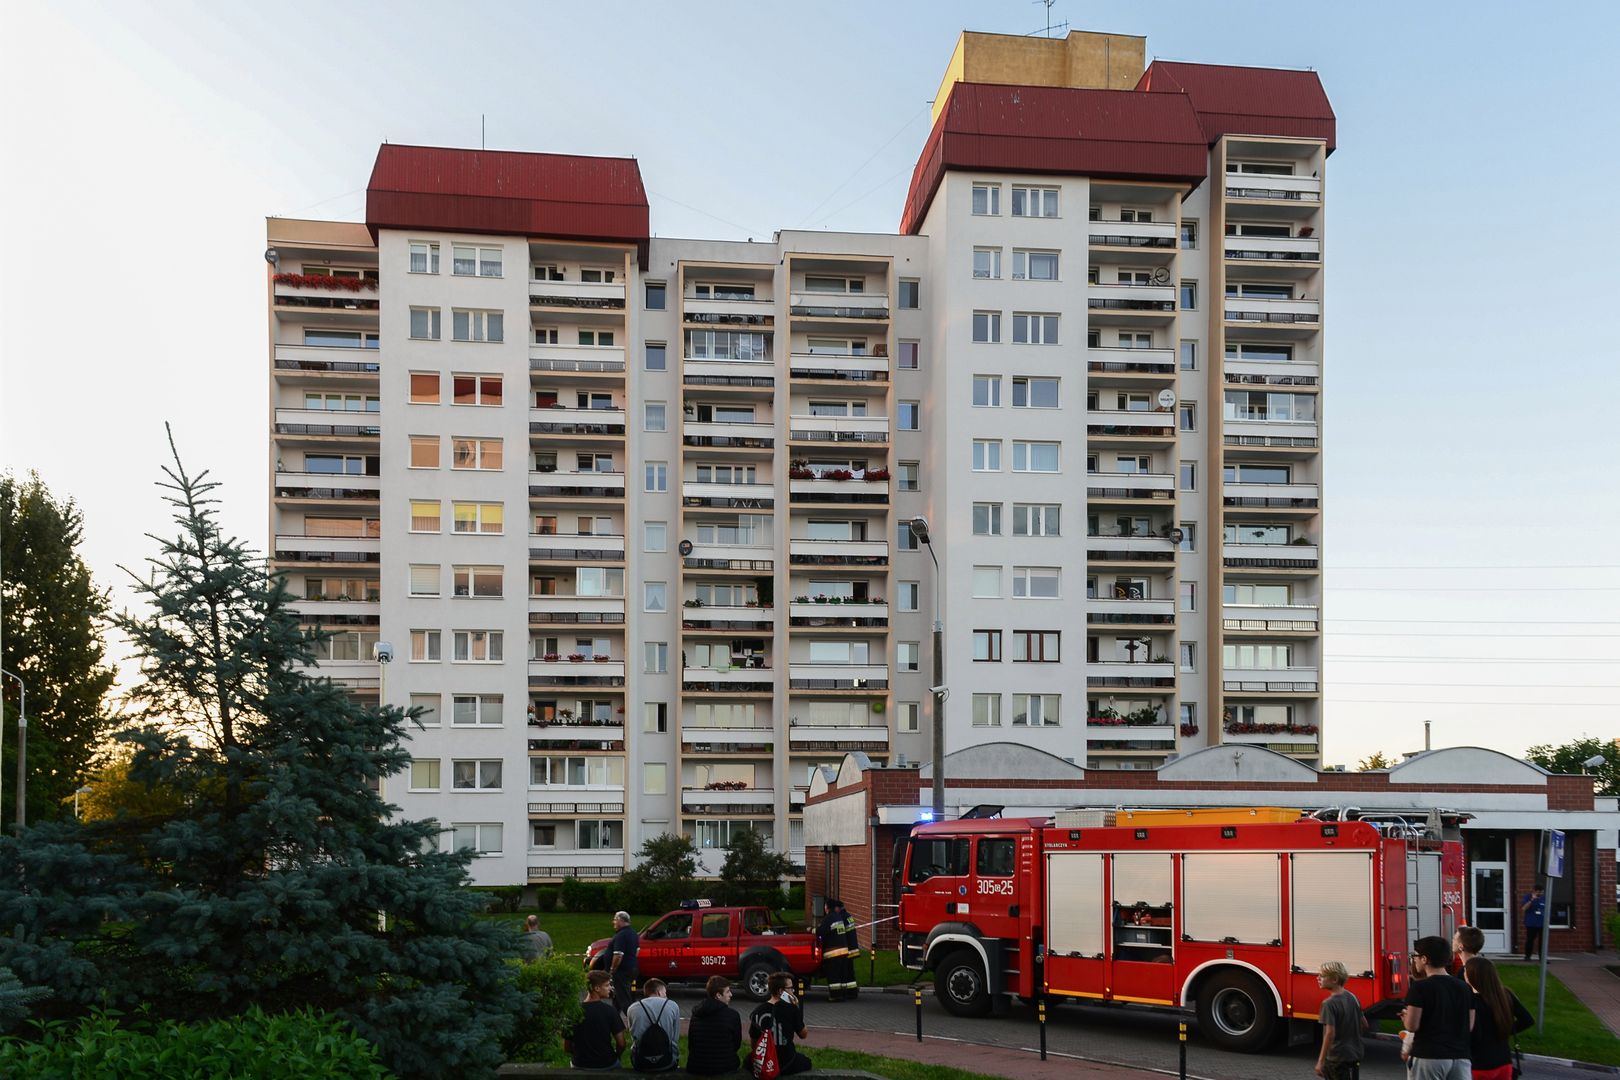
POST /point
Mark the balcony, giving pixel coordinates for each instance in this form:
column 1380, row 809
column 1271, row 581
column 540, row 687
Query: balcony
column 1274, row 249
column 1272, row 372
column 722, row 739
column 1134, row 234
column 838, row 737
column 1132, row 299
column 820, row 305
column 755, row 560
column 1258, row 186
column 576, row 485
column 592, row 671
column 1128, row 736
column 845, row 367
column 851, row 553
column 322, row 295
column 1271, row 496
column 1278, row 433
column 327, row 423
column 317, row 609
column 739, row 311
column 327, row 487
column 1261, row 310
column 577, row 359
column 734, row 435
column 838, row 429
column 558, row 420
column 1128, row 424
column 1159, row 362
column 1290, row 737
column 847, row 614
column 729, row 680
column 308, row 543
column 826, row 490
column 1300, row 618
column 327, row 360
column 1136, row 485
column 822, row 676
column 556, row 865
column 1125, row 673
column 596, row 295
column 745, row 374
column 1289, row 680
column 727, row 618
column 576, row 547
column 1270, row 556
column 574, row 735
column 576, row 610
column 1125, row 547
column 721, row 800
column 724, row 496
column 1130, row 612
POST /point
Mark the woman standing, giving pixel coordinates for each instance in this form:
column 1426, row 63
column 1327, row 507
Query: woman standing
column 1498, row 1017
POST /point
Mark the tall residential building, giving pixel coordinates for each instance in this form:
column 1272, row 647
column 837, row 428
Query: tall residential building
column 631, row 511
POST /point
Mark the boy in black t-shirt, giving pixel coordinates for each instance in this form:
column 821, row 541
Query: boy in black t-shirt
column 786, row 1020
column 1440, row 1013
column 598, row 1038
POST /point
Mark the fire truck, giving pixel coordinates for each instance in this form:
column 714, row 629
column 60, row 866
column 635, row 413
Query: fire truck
column 1231, row 914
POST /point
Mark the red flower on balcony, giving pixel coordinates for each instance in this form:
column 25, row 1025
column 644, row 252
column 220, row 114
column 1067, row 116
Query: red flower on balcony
column 327, row 282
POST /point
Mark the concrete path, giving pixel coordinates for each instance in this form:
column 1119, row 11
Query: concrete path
column 1588, row 978
column 978, row 1058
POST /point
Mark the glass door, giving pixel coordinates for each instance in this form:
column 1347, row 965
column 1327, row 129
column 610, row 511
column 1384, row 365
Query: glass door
column 1488, row 894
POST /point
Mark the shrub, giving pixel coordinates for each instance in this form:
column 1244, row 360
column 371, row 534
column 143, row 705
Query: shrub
column 502, row 899
column 1611, row 922
column 586, row 896
column 253, row 1046
column 795, row 898
column 556, row 985
column 545, row 899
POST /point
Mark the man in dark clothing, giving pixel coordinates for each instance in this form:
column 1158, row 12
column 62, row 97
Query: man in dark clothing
column 1440, row 1013
column 1534, row 909
column 622, row 965
column 598, row 1039
column 786, row 1021
column 839, row 947
column 715, row 1034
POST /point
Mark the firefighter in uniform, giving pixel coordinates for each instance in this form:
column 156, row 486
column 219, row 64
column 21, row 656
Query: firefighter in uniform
column 839, row 948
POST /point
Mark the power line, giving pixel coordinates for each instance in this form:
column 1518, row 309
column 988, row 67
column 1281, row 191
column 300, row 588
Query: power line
column 705, row 213
column 860, row 198
column 903, row 129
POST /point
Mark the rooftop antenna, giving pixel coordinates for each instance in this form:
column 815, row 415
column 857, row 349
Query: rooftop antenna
column 1049, row 27
column 481, row 145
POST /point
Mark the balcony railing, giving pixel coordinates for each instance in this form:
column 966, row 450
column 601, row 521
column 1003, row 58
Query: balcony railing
column 838, row 552
column 1124, row 673
column 1131, row 361
column 756, row 735
column 1137, row 612
column 578, row 359
column 730, row 557
column 858, row 492
column 738, row 496
column 1285, row 736
column 834, row 615
column 1299, row 249
column 732, row 680
column 841, row 305
column 714, row 800
column 824, row 676
column 1273, row 188
column 750, row 311
column 1273, row 617
column 1260, row 309
column 1137, row 485
column 588, row 672
column 732, row 434
column 558, row 420
column 311, row 542
column 1272, row 372
column 1270, row 556
column 580, row 485
column 734, row 373
column 577, row 294
column 850, row 367
column 568, row 547
column 306, row 485
column 327, row 422
column 327, row 358
column 840, row 737
column 1271, row 496
column 318, row 608
column 1104, row 547
column 1294, row 680
column 1140, row 299
column 719, row 617
column 584, row 610
column 1288, row 433
column 1123, row 423
column 1134, row 234
column 840, row 429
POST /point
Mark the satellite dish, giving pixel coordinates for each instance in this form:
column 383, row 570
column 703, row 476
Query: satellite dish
column 1177, row 536
column 1161, row 276
column 1167, row 398
column 684, row 547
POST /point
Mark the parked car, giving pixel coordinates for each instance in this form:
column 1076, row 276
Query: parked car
column 696, row 941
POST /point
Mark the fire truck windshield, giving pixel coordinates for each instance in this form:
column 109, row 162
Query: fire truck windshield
column 933, row 856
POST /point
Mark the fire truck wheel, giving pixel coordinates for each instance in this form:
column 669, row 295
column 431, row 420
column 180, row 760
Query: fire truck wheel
column 756, row 979
column 1235, row 1011
column 959, row 984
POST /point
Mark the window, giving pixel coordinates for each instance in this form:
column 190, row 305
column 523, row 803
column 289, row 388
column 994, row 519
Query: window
column 909, row 355
column 1189, row 716
column 986, row 581
column 1186, row 596
column 424, row 579
column 484, row 454
column 424, row 516
column 1035, row 393
column 424, row 452
column 1187, row 416
column 478, row 646
column 655, row 416
column 1035, row 710
column 1261, row 594
column 657, row 292
column 655, row 657
column 425, row 647
column 904, row 538
column 1189, row 234
column 654, row 778
column 424, row 774
column 1036, row 582
column 484, row 581
column 986, row 710
column 1034, row 202
column 424, row 260
column 481, row 839
column 910, row 597
column 986, row 455
column 1036, row 647
column 657, row 358
column 425, row 323
column 467, row 324
column 1263, row 405
column 597, row 338
column 907, row 415
column 1035, row 265
column 341, row 339
column 1189, row 537
column 476, row 389
column 655, row 717
column 987, row 646
column 600, row 835
column 598, row 581
column 654, row 536
column 986, row 519
column 987, row 391
column 1189, row 296
column 909, row 477
column 1189, row 356
column 479, row 261
column 987, row 326
column 1188, row 656
column 909, row 720
column 656, row 476
column 471, row 517
column 424, row 388
column 986, row 262
column 907, row 656
column 655, row 596
column 1187, row 476
column 987, row 199
column 1033, row 329
column 426, row 706
column 1036, row 519
column 910, row 293
column 477, row 710
column 1035, row 456
column 598, row 275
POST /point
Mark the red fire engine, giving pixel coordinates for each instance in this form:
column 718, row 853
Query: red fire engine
column 1234, row 919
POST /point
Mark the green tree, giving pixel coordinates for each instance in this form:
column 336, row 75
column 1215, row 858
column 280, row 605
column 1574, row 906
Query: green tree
column 113, row 792
column 663, row 875
column 1571, row 757
column 51, row 615
column 753, row 873
column 264, row 885
column 1376, row 760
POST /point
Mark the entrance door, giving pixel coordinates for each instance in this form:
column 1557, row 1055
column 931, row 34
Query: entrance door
column 1488, row 897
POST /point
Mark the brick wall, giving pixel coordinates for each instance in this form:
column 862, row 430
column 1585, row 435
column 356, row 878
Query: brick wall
column 1589, row 865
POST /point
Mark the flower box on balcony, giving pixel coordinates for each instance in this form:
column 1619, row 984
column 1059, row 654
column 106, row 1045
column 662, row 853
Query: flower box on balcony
column 1270, row 729
column 327, row 281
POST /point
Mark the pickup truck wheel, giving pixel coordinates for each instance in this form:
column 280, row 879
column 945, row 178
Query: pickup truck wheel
column 1236, row 1012
column 960, row 985
column 756, row 979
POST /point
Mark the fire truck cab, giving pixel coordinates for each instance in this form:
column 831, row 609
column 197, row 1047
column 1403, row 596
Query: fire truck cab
column 1231, row 919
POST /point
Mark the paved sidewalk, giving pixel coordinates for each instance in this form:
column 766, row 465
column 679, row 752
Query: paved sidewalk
column 976, row 1057
column 1586, row 977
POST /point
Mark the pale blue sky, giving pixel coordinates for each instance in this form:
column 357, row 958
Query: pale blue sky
column 1467, row 219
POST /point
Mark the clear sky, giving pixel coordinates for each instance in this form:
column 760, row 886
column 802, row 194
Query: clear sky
column 1473, row 530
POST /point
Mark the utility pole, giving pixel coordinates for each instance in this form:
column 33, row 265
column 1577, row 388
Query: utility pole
column 919, row 532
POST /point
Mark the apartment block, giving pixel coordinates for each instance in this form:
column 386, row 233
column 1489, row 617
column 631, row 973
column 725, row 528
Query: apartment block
column 630, row 515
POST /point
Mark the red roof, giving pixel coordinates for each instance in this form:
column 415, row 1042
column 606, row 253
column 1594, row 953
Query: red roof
column 565, row 196
column 1247, row 100
column 1058, row 130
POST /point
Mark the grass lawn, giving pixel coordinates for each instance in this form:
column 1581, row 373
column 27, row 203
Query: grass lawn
column 826, row 1057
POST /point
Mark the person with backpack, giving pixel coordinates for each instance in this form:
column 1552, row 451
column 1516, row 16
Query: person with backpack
column 715, row 1034
column 1498, row 1017
column 655, row 1028
column 772, row 1027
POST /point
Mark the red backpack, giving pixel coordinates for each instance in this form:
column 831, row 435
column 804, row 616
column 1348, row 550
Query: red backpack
column 763, row 1062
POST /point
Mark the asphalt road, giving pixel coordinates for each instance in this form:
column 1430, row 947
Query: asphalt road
column 1123, row 1035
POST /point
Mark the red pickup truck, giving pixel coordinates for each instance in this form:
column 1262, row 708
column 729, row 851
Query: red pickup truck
column 741, row 943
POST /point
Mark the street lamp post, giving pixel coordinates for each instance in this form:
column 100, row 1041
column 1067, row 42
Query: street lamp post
column 919, row 532
column 22, row 751
column 83, row 789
